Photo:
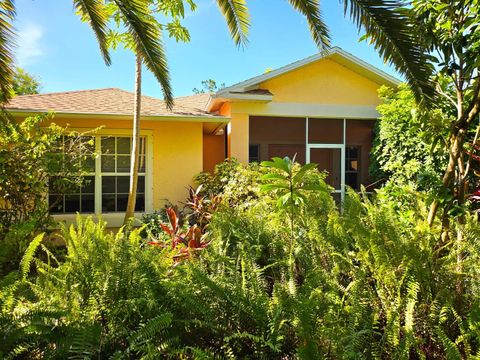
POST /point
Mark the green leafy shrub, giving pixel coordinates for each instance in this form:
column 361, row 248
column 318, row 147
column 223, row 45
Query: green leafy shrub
column 237, row 184
column 409, row 146
column 34, row 159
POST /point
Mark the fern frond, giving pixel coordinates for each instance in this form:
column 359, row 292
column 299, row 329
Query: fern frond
column 29, row 254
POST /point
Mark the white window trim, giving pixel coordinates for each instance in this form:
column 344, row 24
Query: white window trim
column 115, row 219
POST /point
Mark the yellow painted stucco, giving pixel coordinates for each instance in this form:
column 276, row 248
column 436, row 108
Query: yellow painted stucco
column 323, row 82
column 177, row 153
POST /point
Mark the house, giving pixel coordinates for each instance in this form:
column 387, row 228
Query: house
column 322, row 108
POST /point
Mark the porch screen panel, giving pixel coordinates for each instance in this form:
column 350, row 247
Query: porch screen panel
column 325, row 131
column 359, row 135
column 290, row 150
column 278, row 136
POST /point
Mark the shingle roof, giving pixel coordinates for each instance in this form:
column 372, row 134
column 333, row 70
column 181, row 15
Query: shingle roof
column 110, row 101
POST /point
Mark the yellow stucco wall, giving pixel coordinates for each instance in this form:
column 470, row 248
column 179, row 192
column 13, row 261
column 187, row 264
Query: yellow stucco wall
column 237, row 131
column 177, row 153
column 323, row 82
column 213, row 151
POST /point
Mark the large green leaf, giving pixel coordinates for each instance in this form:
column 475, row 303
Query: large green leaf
column 236, row 14
column 147, row 36
column 391, row 29
column 277, row 163
column 312, row 12
column 274, row 186
column 301, row 173
column 7, row 14
column 94, row 13
column 273, row 177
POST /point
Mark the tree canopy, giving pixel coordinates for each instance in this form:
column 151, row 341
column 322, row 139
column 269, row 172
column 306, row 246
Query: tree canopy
column 208, row 86
column 25, row 83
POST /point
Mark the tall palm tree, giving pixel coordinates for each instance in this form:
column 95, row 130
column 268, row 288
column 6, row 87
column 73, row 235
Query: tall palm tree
column 386, row 23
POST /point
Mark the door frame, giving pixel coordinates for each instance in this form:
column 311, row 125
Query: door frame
column 341, row 146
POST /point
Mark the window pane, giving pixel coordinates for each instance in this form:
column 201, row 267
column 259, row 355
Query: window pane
column 123, row 184
column 88, row 185
column 123, row 145
column 352, row 152
column 351, row 180
column 141, row 164
column 108, row 184
column 253, row 153
column 108, row 202
column 90, row 164
column 122, row 200
column 123, row 163
column 141, row 185
column 140, row 203
column 56, row 203
column 143, row 145
column 108, row 145
column 72, row 203
column 72, row 188
column 108, row 163
column 352, row 165
column 88, row 203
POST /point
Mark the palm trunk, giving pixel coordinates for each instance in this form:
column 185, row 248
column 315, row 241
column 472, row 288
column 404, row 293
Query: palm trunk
column 132, row 193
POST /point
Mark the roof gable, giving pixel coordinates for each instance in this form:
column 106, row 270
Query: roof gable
column 336, row 54
column 323, row 82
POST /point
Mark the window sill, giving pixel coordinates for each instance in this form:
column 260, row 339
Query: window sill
column 112, row 219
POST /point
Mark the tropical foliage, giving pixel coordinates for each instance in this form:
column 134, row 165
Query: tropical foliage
column 409, row 146
column 24, row 83
column 34, row 159
column 372, row 281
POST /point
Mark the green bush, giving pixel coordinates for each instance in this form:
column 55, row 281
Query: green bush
column 34, row 159
column 409, row 146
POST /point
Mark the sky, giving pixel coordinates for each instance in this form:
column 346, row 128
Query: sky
column 54, row 45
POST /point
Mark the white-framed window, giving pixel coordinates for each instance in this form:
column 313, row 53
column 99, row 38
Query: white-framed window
column 105, row 187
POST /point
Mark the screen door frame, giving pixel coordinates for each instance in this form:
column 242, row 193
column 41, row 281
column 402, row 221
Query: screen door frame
column 340, row 146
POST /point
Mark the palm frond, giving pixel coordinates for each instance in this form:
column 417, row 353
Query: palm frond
column 238, row 19
column 147, row 36
column 311, row 10
column 94, row 13
column 7, row 13
column 391, row 29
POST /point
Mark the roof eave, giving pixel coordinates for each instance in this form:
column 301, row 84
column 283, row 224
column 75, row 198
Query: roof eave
column 222, row 97
column 106, row 116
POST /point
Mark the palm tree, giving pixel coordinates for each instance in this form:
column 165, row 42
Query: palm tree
column 387, row 24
